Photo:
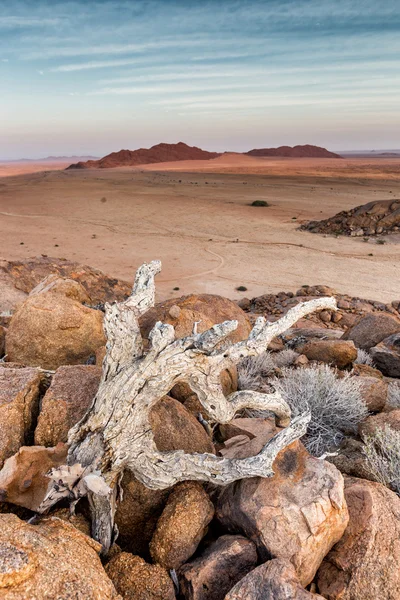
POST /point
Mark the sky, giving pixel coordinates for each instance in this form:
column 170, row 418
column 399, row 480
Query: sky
column 92, row 77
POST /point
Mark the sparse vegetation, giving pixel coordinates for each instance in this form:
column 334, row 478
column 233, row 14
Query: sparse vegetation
column 394, row 395
column 241, row 288
column 259, row 203
column 254, row 370
column 364, row 358
column 381, row 241
column 382, row 450
column 336, row 405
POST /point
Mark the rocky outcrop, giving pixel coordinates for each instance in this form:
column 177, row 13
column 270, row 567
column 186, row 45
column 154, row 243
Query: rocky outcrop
column 338, row 353
column 379, row 216
column 135, row 579
column 23, row 479
column 182, row 525
column 218, row 569
column 53, row 327
column 50, row 560
column 298, row 515
column 156, row 154
column 19, row 403
column 274, row 580
column 364, row 563
column 372, row 329
column 65, row 403
column 386, row 355
column 19, row 277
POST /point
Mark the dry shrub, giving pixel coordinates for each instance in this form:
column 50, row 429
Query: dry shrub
column 382, row 449
column 364, row 358
column 394, row 395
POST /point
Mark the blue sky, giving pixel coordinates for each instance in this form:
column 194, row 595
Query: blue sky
column 97, row 76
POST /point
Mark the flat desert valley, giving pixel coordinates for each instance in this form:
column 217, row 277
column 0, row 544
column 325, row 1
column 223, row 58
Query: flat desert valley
column 196, row 216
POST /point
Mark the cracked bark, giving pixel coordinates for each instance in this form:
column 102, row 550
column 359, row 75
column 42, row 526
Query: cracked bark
column 115, row 434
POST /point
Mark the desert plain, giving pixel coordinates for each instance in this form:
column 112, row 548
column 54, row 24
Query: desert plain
column 196, row 216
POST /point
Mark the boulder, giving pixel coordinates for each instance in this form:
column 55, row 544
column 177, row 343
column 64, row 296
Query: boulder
column 175, row 428
column 65, row 403
column 135, row 579
column 364, row 564
column 137, row 514
column 246, row 437
column 182, row 525
column 374, row 392
column 298, row 514
column 50, row 560
column 218, row 569
column 386, row 355
column 23, row 478
column 338, row 353
column 381, row 420
column 274, row 580
column 21, row 276
column 53, row 328
column 372, row 329
column 351, row 459
column 19, row 403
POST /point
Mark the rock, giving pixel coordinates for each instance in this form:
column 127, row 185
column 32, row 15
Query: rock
column 351, row 460
column 364, row 564
column 246, row 437
column 372, row 329
column 2, row 340
column 369, row 425
column 19, row 402
column 23, row 478
column 298, row 514
column 53, row 328
column 66, row 401
column 374, row 393
column 135, row 579
column 137, row 514
column 51, row 560
column 77, row 520
column 338, row 353
column 218, row 569
column 386, row 355
column 274, row 580
column 182, row 525
column 175, row 428
column 361, row 370
column 21, row 276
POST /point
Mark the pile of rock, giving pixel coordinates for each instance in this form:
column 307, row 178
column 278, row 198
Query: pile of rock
column 374, row 218
column 311, row 531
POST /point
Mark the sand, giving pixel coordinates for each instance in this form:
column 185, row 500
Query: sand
column 196, row 216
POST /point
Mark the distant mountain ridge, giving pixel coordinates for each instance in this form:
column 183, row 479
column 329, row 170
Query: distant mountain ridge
column 156, row 154
column 51, row 159
column 305, row 151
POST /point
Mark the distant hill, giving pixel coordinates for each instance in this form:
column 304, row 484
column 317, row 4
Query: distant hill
column 306, row 151
column 52, row 159
column 143, row 156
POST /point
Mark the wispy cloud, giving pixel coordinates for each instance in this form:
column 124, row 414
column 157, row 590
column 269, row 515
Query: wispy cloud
column 20, row 21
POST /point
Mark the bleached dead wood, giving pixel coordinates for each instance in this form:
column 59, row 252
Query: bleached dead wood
column 116, row 435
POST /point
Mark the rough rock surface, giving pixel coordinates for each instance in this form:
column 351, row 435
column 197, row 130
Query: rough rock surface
column 381, row 420
column 66, row 401
column 333, row 352
column 175, row 428
column 379, row 216
column 299, row 514
column 19, row 402
column 245, row 437
column 182, row 525
column 374, row 392
column 364, row 564
column 351, row 460
column 137, row 514
column 23, row 478
column 218, row 569
column 19, row 277
column 386, row 355
column 50, row 561
column 372, row 329
column 53, row 328
column 135, row 579
column 274, row 580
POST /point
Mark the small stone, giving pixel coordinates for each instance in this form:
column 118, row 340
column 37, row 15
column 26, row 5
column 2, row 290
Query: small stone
column 135, row 579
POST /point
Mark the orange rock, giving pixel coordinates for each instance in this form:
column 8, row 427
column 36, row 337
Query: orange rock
column 135, row 579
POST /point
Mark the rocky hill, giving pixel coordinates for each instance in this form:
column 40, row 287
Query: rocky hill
column 305, row 151
column 156, row 154
column 381, row 216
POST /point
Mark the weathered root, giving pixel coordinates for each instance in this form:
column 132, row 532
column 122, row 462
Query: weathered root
column 116, row 434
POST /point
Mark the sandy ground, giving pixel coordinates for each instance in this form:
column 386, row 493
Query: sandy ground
column 196, row 217
column 8, row 169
